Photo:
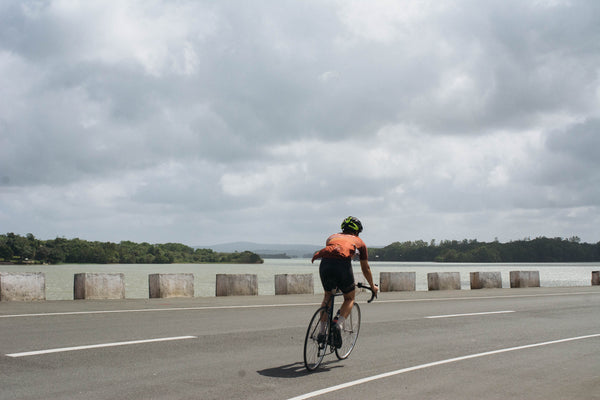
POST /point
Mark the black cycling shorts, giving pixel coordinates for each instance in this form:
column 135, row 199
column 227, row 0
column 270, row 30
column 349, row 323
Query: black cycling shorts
column 337, row 273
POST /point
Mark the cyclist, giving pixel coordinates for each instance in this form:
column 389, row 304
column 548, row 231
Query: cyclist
column 336, row 270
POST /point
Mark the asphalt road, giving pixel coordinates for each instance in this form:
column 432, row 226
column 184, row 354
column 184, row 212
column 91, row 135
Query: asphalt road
column 536, row 343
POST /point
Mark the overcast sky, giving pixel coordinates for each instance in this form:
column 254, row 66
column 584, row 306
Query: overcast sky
column 204, row 122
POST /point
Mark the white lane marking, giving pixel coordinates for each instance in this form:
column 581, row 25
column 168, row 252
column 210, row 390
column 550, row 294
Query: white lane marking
column 433, row 364
column 291, row 305
column 515, row 296
column 469, row 314
column 96, row 346
column 158, row 309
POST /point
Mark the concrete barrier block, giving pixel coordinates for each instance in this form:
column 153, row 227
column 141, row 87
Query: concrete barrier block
column 523, row 279
column 97, row 286
column 443, row 281
column 595, row 278
column 294, row 284
column 170, row 285
column 397, row 281
column 24, row 286
column 486, row 280
column 237, row 285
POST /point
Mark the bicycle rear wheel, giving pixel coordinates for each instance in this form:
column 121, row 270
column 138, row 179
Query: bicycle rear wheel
column 349, row 332
column 315, row 346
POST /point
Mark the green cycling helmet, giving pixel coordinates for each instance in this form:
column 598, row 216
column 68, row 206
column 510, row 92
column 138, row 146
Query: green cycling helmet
column 352, row 224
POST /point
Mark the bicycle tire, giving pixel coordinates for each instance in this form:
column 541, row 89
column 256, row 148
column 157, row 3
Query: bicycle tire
column 313, row 350
column 349, row 331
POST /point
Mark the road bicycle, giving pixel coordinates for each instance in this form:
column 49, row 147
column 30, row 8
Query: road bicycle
column 319, row 340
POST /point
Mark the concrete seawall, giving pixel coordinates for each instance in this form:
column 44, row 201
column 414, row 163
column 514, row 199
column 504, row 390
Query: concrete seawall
column 486, row 280
column 24, row 286
column 99, row 286
column 523, row 279
column 397, row 281
column 294, row 284
column 443, row 281
column 31, row 286
column 236, row 285
column 170, row 285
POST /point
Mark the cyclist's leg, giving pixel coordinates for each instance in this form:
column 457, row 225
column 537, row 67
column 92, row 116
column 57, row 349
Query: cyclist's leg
column 348, row 303
column 340, row 318
column 346, row 283
column 325, row 304
column 327, row 273
column 326, row 299
column 348, row 288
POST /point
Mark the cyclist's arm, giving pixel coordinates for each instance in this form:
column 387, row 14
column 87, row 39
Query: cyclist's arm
column 366, row 270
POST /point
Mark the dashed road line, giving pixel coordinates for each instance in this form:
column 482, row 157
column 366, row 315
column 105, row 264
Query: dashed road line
column 96, row 346
column 155, row 310
column 469, row 314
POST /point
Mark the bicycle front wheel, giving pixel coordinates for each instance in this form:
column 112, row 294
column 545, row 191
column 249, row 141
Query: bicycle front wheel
column 349, row 332
column 315, row 343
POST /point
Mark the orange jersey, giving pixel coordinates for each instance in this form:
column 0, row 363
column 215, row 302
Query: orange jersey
column 341, row 245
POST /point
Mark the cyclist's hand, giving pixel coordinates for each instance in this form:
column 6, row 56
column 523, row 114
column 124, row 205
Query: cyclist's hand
column 375, row 289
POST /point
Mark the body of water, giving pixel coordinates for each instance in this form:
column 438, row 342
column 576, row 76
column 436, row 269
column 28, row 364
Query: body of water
column 59, row 278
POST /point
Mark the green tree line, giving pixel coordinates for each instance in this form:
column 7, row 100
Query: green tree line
column 21, row 249
column 540, row 249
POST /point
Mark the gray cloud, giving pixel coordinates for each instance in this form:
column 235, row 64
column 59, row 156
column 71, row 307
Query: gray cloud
column 199, row 121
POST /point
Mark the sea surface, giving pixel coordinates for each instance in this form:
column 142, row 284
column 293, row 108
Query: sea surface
column 60, row 278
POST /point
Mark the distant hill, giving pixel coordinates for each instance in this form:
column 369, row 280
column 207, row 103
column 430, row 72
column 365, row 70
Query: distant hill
column 292, row 250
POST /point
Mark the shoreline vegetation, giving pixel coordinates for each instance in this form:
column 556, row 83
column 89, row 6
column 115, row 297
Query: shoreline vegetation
column 16, row 249
column 541, row 249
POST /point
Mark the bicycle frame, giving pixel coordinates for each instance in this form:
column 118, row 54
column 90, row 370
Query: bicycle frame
column 335, row 293
column 318, row 341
